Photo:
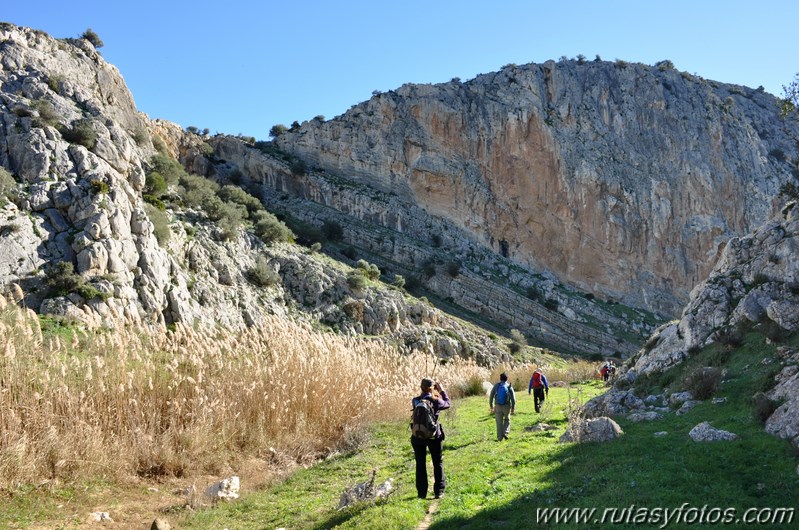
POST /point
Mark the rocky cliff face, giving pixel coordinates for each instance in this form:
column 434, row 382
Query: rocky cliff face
column 621, row 179
column 77, row 151
column 755, row 284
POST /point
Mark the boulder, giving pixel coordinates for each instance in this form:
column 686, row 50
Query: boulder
column 592, row 430
column 704, row 432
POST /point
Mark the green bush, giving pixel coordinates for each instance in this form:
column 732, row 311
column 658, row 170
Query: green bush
column 473, row 386
column 155, row 184
column 7, row 185
column 160, row 145
column 46, row 112
column 82, row 133
column 703, row 382
column 453, row 269
column 140, row 136
column 277, row 130
column 169, row 168
column 316, row 247
column 398, row 281
column 270, row 229
column 62, row 279
column 160, row 221
column 763, row 407
column 333, row 231
column 92, row 37
column 298, row 168
column 198, row 192
column 262, row 274
column 356, row 280
column 234, row 194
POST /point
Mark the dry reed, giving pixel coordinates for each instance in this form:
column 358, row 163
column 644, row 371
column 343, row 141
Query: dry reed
column 172, row 403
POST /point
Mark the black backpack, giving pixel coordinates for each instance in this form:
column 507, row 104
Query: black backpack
column 423, row 420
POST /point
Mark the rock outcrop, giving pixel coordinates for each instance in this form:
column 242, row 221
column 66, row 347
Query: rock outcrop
column 78, row 152
column 754, row 281
column 621, row 179
column 704, row 432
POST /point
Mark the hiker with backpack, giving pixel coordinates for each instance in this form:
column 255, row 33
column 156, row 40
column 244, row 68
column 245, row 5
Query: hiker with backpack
column 427, row 433
column 502, row 402
column 538, row 385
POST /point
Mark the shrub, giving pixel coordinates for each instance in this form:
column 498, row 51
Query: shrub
column 429, row 268
column 772, row 330
column 262, row 274
column 92, row 37
column 473, row 386
column 140, row 136
column 63, row 280
column 155, row 184
column 7, row 185
column 89, row 292
column 298, row 168
column 160, row 145
column 350, row 252
column 354, row 310
column 169, row 168
column 533, row 293
column 453, row 269
column 54, row 82
column 703, row 382
column 729, row 336
column 316, row 247
column 277, row 130
column 270, row 229
column 82, row 133
column 46, row 111
column 22, row 111
column 333, row 231
column 237, row 195
column 356, row 280
column 160, row 221
column 551, row 304
column 398, row 281
column 763, row 407
column 664, row 65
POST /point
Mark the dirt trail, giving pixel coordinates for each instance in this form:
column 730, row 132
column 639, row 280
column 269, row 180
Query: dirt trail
column 432, row 509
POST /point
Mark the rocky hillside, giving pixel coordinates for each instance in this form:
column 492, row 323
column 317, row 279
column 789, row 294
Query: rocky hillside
column 80, row 242
column 620, row 179
column 754, row 286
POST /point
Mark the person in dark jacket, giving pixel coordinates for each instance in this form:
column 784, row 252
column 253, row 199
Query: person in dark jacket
column 437, row 396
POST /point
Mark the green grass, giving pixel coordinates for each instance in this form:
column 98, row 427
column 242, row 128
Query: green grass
column 501, row 484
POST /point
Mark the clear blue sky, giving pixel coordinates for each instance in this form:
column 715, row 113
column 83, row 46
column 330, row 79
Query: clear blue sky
column 240, row 67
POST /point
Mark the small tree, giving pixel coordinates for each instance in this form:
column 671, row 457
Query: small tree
column 277, row 130
column 92, row 37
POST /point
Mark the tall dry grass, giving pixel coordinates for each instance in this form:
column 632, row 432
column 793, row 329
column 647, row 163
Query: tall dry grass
column 171, row 403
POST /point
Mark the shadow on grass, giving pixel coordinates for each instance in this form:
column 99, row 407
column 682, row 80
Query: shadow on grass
column 643, row 471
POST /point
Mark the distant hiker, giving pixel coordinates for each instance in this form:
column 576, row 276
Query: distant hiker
column 427, row 433
column 608, row 370
column 502, row 402
column 538, row 385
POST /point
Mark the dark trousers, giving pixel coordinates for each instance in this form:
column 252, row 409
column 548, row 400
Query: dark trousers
column 538, row 398
column 420, row 447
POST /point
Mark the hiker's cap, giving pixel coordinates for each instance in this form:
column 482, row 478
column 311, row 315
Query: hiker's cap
column 427, row 383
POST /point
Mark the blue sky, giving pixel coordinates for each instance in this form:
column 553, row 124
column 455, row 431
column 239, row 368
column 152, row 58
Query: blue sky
column 240, row 67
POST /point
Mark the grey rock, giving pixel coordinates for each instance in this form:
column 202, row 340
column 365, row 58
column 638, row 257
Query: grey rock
column 678, row 398
column 592, row 430
column 687, row 406
column 704, row 432
column 637, row 417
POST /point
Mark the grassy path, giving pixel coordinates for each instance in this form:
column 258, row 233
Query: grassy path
column 494, row 484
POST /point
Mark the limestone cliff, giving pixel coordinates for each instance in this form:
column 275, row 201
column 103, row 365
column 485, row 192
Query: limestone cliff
column 78, row 242
column 621, row 179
